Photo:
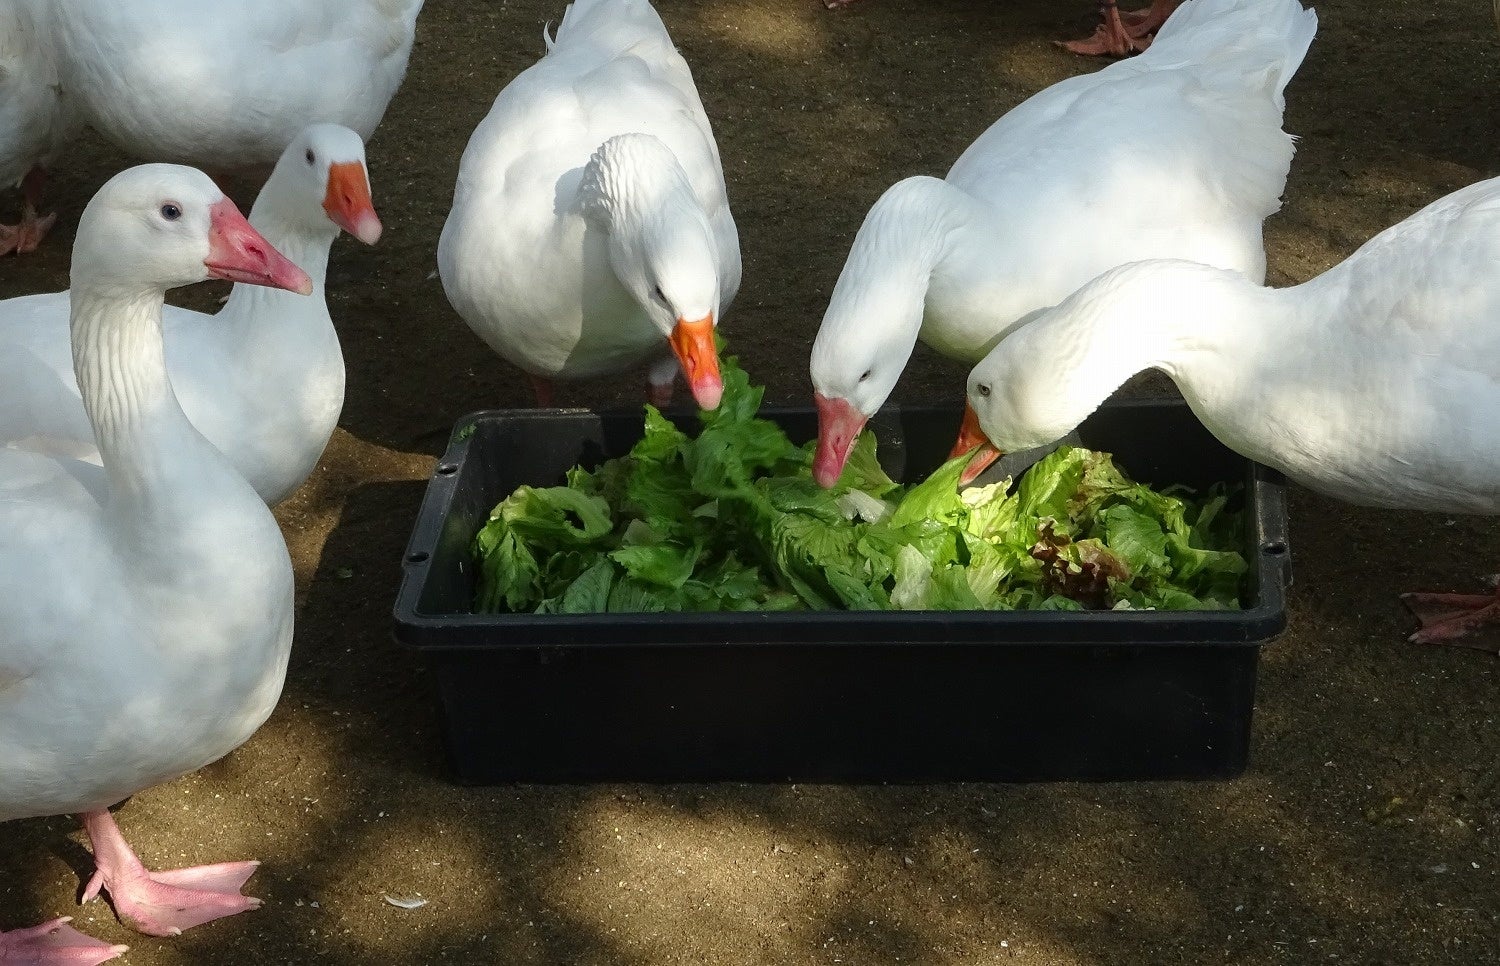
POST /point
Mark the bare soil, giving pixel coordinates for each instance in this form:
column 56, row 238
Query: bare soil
column 1363, row 832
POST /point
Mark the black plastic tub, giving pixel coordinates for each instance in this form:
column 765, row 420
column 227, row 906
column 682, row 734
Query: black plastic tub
column 834, row 696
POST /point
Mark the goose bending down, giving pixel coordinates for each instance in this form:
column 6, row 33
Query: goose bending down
column 1177, row 153
column 145, row 606
column 1376, row 382
column 229, row 85
column 264, row 378
column 36, row 120
column 590, row 223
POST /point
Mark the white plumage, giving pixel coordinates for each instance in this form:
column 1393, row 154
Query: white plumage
column 1176, row 153
column 264, row 378
column 1376, row 382
column 145, row 604
column 228, row 85
column 590, row 214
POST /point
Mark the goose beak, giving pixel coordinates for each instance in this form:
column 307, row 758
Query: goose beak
column 694, row 344
column 347, row 201
column 839, row 424
column 237, row 252
column 971, row 435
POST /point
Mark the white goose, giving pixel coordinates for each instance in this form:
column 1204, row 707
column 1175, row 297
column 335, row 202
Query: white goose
column 590, row 223
column 1176, row 153
column 1376, row 382
column 36, row 120
column 145, row 608
column 264, row 378
column 228, row 85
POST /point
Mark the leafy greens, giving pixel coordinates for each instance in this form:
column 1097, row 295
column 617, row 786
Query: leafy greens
column 732, row 520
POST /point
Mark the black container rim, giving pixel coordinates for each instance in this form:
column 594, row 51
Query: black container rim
column 442, row 632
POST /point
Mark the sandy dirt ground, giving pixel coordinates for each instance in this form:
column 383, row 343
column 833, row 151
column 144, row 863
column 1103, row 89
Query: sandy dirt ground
column 1363, row 831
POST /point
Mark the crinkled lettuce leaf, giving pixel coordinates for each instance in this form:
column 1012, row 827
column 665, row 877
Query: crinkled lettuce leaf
column 731, row 520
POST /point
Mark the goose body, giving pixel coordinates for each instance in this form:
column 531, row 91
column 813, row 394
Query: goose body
column 230, row 85
column 146, row 602
column 145, row 649
column 590, row 226
column 1376, row 382
column 37, row 119
column 264, row 378
column 1177, row 153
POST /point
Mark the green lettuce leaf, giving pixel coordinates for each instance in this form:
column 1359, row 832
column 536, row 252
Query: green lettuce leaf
column 731, row 519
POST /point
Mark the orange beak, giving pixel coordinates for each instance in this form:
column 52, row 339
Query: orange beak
column 971, row 435
column 347, row 201
column 694, row 344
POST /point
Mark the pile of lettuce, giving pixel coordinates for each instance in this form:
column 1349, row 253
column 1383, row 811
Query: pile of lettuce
column 732, row 520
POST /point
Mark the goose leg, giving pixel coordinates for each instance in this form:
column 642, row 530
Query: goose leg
column 23, row 238
column 54, row 943
column 1110, row 37
column 542, row 389
column 1449, row 618
column 1139, row 23
column 661, row 379
column 161, row 903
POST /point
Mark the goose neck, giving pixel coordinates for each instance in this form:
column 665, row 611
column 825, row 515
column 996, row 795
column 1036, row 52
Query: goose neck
column 122, row 375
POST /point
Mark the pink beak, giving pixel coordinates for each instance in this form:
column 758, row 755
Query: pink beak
column 839, row 424
column 238, row 253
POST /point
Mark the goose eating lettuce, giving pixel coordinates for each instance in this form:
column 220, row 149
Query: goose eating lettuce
column 732, row 520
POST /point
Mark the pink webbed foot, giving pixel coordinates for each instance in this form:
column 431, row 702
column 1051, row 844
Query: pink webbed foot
column 162, row 903
column 1109, row 38
column 23, row 238
column 54, row 943
column 1450, row 618
column 1139, row 23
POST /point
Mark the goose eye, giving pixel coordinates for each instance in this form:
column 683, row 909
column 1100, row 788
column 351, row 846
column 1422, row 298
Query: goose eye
column 866, row 376
column 310, row 156
column 171, row 212
column 983, row 389
column 659, row 295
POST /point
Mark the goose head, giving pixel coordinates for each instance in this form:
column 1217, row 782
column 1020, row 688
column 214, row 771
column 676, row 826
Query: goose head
column 158, row 226
column 321, row 177
column 851, row 381
column 661, row 248
column 1015, row 401
column 1046, row 377
column 875, row 313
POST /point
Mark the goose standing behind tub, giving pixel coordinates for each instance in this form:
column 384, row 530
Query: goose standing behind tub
column 590, row 228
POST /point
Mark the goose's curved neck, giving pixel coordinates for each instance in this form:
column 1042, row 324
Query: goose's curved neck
column 896, row 257
column 1159, row 317
column 122, row 375
column 631, row 177
column 1204, row 327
